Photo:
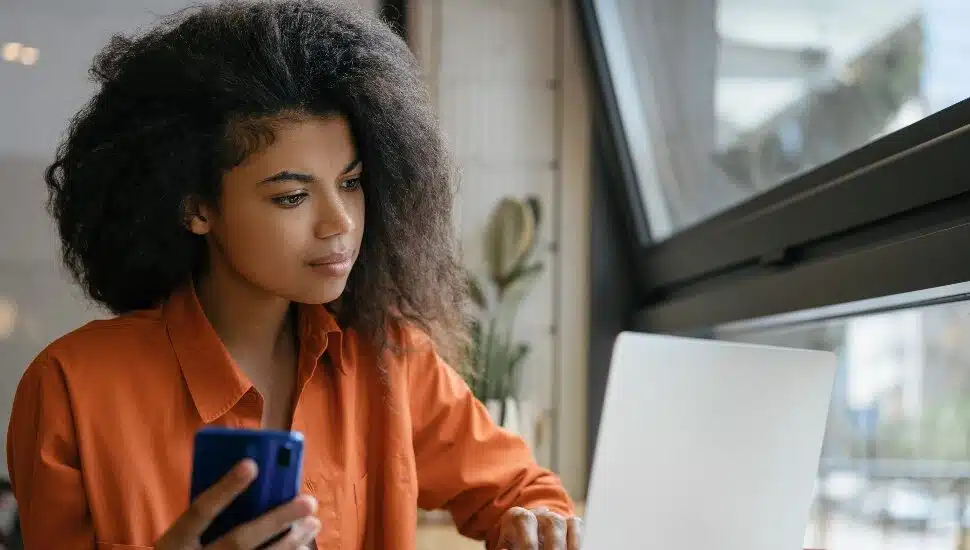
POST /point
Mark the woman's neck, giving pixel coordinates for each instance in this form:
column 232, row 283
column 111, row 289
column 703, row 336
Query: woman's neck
column 254, row 326
column 258, row 333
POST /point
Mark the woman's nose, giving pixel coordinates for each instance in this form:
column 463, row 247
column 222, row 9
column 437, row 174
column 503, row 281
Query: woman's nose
column 334, row 218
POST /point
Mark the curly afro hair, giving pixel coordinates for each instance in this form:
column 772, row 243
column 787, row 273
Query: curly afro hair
column 182, row 103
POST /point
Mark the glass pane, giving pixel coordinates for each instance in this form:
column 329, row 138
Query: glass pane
column 895, row 470
column 723, row 99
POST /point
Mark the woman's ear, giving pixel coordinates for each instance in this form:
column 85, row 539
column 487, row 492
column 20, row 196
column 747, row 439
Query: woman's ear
column 197, row 217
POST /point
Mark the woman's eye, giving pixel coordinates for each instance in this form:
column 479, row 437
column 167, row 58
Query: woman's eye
column 290, row 201
column 351, row 184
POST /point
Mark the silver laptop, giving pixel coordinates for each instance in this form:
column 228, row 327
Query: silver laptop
column 707, row 445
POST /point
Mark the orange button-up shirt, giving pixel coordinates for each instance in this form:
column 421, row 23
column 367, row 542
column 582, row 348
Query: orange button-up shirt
column 100, row 439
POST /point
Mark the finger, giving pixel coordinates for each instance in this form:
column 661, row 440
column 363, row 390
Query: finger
column 261, row 529
column 519, row 530
column 301, row 535
column 574, row 533
column 552, row 531
column 205, row 508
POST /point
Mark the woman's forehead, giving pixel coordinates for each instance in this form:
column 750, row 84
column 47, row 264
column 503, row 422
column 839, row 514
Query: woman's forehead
column 323, row 146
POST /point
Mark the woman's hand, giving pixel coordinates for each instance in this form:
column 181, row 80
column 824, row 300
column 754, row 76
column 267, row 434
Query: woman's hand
column 185, row 532
column 539, row 529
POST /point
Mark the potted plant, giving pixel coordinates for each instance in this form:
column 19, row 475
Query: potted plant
column 496, row 355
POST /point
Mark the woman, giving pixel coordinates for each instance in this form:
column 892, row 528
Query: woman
column 261, row 193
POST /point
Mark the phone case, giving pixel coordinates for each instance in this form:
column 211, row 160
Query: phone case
column 278, row 455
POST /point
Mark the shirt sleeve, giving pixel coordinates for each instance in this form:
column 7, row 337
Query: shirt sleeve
column 465, row 463
column 42, row 456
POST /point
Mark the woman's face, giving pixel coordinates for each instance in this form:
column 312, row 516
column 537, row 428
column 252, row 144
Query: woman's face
column 291, row 215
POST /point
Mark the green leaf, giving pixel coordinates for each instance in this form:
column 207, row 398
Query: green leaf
column 495, row 362
column 508, row 237
column 489, row 358
column 518, row 355
column 475, row 291
column 517, row 290
column 532, row 201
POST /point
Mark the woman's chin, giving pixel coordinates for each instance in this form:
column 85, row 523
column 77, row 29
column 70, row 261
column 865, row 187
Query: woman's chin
column 320, row 294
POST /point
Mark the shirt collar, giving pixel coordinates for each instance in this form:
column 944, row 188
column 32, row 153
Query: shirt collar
column 214, row 380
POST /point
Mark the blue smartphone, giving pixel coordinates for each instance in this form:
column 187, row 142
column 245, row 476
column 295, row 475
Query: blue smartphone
column 278, row 456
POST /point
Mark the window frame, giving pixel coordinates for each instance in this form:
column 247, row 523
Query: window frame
column 758, row 257
column 770, row 255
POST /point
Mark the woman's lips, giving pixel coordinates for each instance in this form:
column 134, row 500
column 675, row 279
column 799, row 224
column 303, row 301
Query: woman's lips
column 336, row 264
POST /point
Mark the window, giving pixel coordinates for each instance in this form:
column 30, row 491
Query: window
column 797, row 173
column 885, row 189
column 895, row 469
column 721, row 100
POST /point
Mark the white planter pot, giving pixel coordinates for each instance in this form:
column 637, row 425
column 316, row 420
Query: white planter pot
column 519, row 418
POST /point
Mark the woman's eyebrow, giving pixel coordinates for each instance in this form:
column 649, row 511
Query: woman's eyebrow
column 353, row 164
column 287, row 175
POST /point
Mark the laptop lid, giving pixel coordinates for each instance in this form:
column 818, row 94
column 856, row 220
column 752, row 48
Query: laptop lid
column 707, row 445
